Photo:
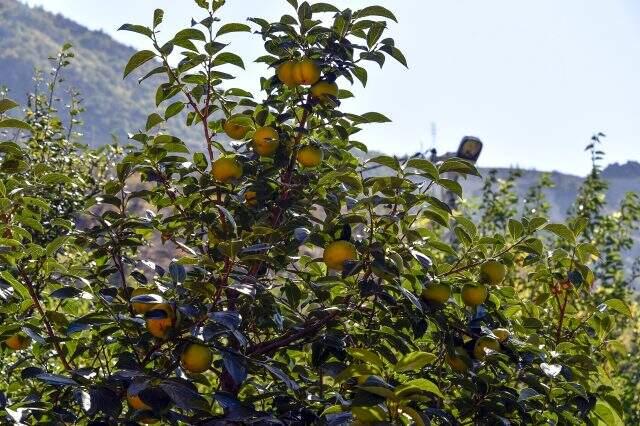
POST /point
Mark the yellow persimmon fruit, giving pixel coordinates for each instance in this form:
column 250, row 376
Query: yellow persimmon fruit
column 474, row 294
column 458, row 360
column 265, row 141
column 306, row 72
column 237, row 126
column 337, row 252
column 309, row 156
column 251, row 198
column 492, row 272
column 135, row 402
column 18, row 342
column 196, row 358
column 436, row 292
column 138, row 307
column 285, row 73
column 160, row 325
column 502, row 334
column 484, row 346
column 323, row 90
column 226, row 169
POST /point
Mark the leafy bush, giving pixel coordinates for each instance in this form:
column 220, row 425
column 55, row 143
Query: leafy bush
column 414, row 313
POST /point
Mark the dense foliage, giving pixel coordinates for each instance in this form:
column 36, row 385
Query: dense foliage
column 299, row 289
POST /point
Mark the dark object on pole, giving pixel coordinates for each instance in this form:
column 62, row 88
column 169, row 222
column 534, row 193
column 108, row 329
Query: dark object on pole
column 470, row 149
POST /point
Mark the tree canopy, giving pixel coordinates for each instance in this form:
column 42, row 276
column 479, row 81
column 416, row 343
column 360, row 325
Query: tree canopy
column 276, row 281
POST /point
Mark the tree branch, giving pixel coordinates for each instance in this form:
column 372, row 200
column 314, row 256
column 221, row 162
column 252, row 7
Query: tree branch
column 45, row 320
column 288, row 338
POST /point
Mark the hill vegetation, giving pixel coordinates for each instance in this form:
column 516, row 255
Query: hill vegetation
column 30, row 35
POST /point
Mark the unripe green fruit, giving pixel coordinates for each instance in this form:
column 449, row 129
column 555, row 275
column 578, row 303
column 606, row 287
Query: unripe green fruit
column 492, row 272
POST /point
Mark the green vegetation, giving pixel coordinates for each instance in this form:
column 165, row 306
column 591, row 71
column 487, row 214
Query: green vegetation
column 299, row 289
column 28, row 36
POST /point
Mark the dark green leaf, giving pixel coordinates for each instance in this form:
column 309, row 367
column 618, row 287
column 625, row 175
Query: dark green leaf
column 7, row 104
column 153, row 120
column 561, row 231
column 140, row 29
column 231, row 28
column 228, row 58
column 13, row 123
column 618, row 306
column 414, row 361
column 375, row 11
column 158, row 15
column 137, row 60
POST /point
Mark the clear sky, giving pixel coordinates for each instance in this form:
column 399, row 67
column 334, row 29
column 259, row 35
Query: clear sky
column 532, row 79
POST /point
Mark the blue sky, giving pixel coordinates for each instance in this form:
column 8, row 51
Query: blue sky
column 532, row 79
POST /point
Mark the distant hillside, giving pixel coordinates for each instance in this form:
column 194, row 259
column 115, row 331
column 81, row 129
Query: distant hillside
column 28, row 36
column 621, row 178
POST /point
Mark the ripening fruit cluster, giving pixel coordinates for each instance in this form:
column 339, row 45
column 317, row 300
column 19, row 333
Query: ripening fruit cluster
column 472, row 294
column 163, row 321
column 307, row 73
column 265, row 140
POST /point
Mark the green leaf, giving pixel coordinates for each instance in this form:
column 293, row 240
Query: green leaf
column 606, row 414
column 184, row 396
column 190, row 34
column 370, row 415
column 14, row 123
column 375, row 11
column 415, row 415
column 19, row 288
column 234, row 91
column 385, row 160
column 173, row 109
column 323, row 7
column 54, row 245
column 618, row 306
column 158, row 15
column 366, row 356
column 585, row 251
column 137, row 60
column 153, row 120
column 561, row 231
column 537, row 222
column 425, row 166
column 418, row 386
column 200, row 161
column 375, row 117
column 361, row 74
column 458, row 165
column 451, row 185
column 439, row 204
column 55, row 178
column 7, row 104
column 232, row 28
column 374, row 33
column 140, row 29
column 395, row 53
column 414, row 361
column 374, row 56
column 228, row 58
column 437, row 216
column 516, row 229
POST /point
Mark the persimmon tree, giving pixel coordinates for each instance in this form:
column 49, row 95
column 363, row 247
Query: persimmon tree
column 299, row 288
